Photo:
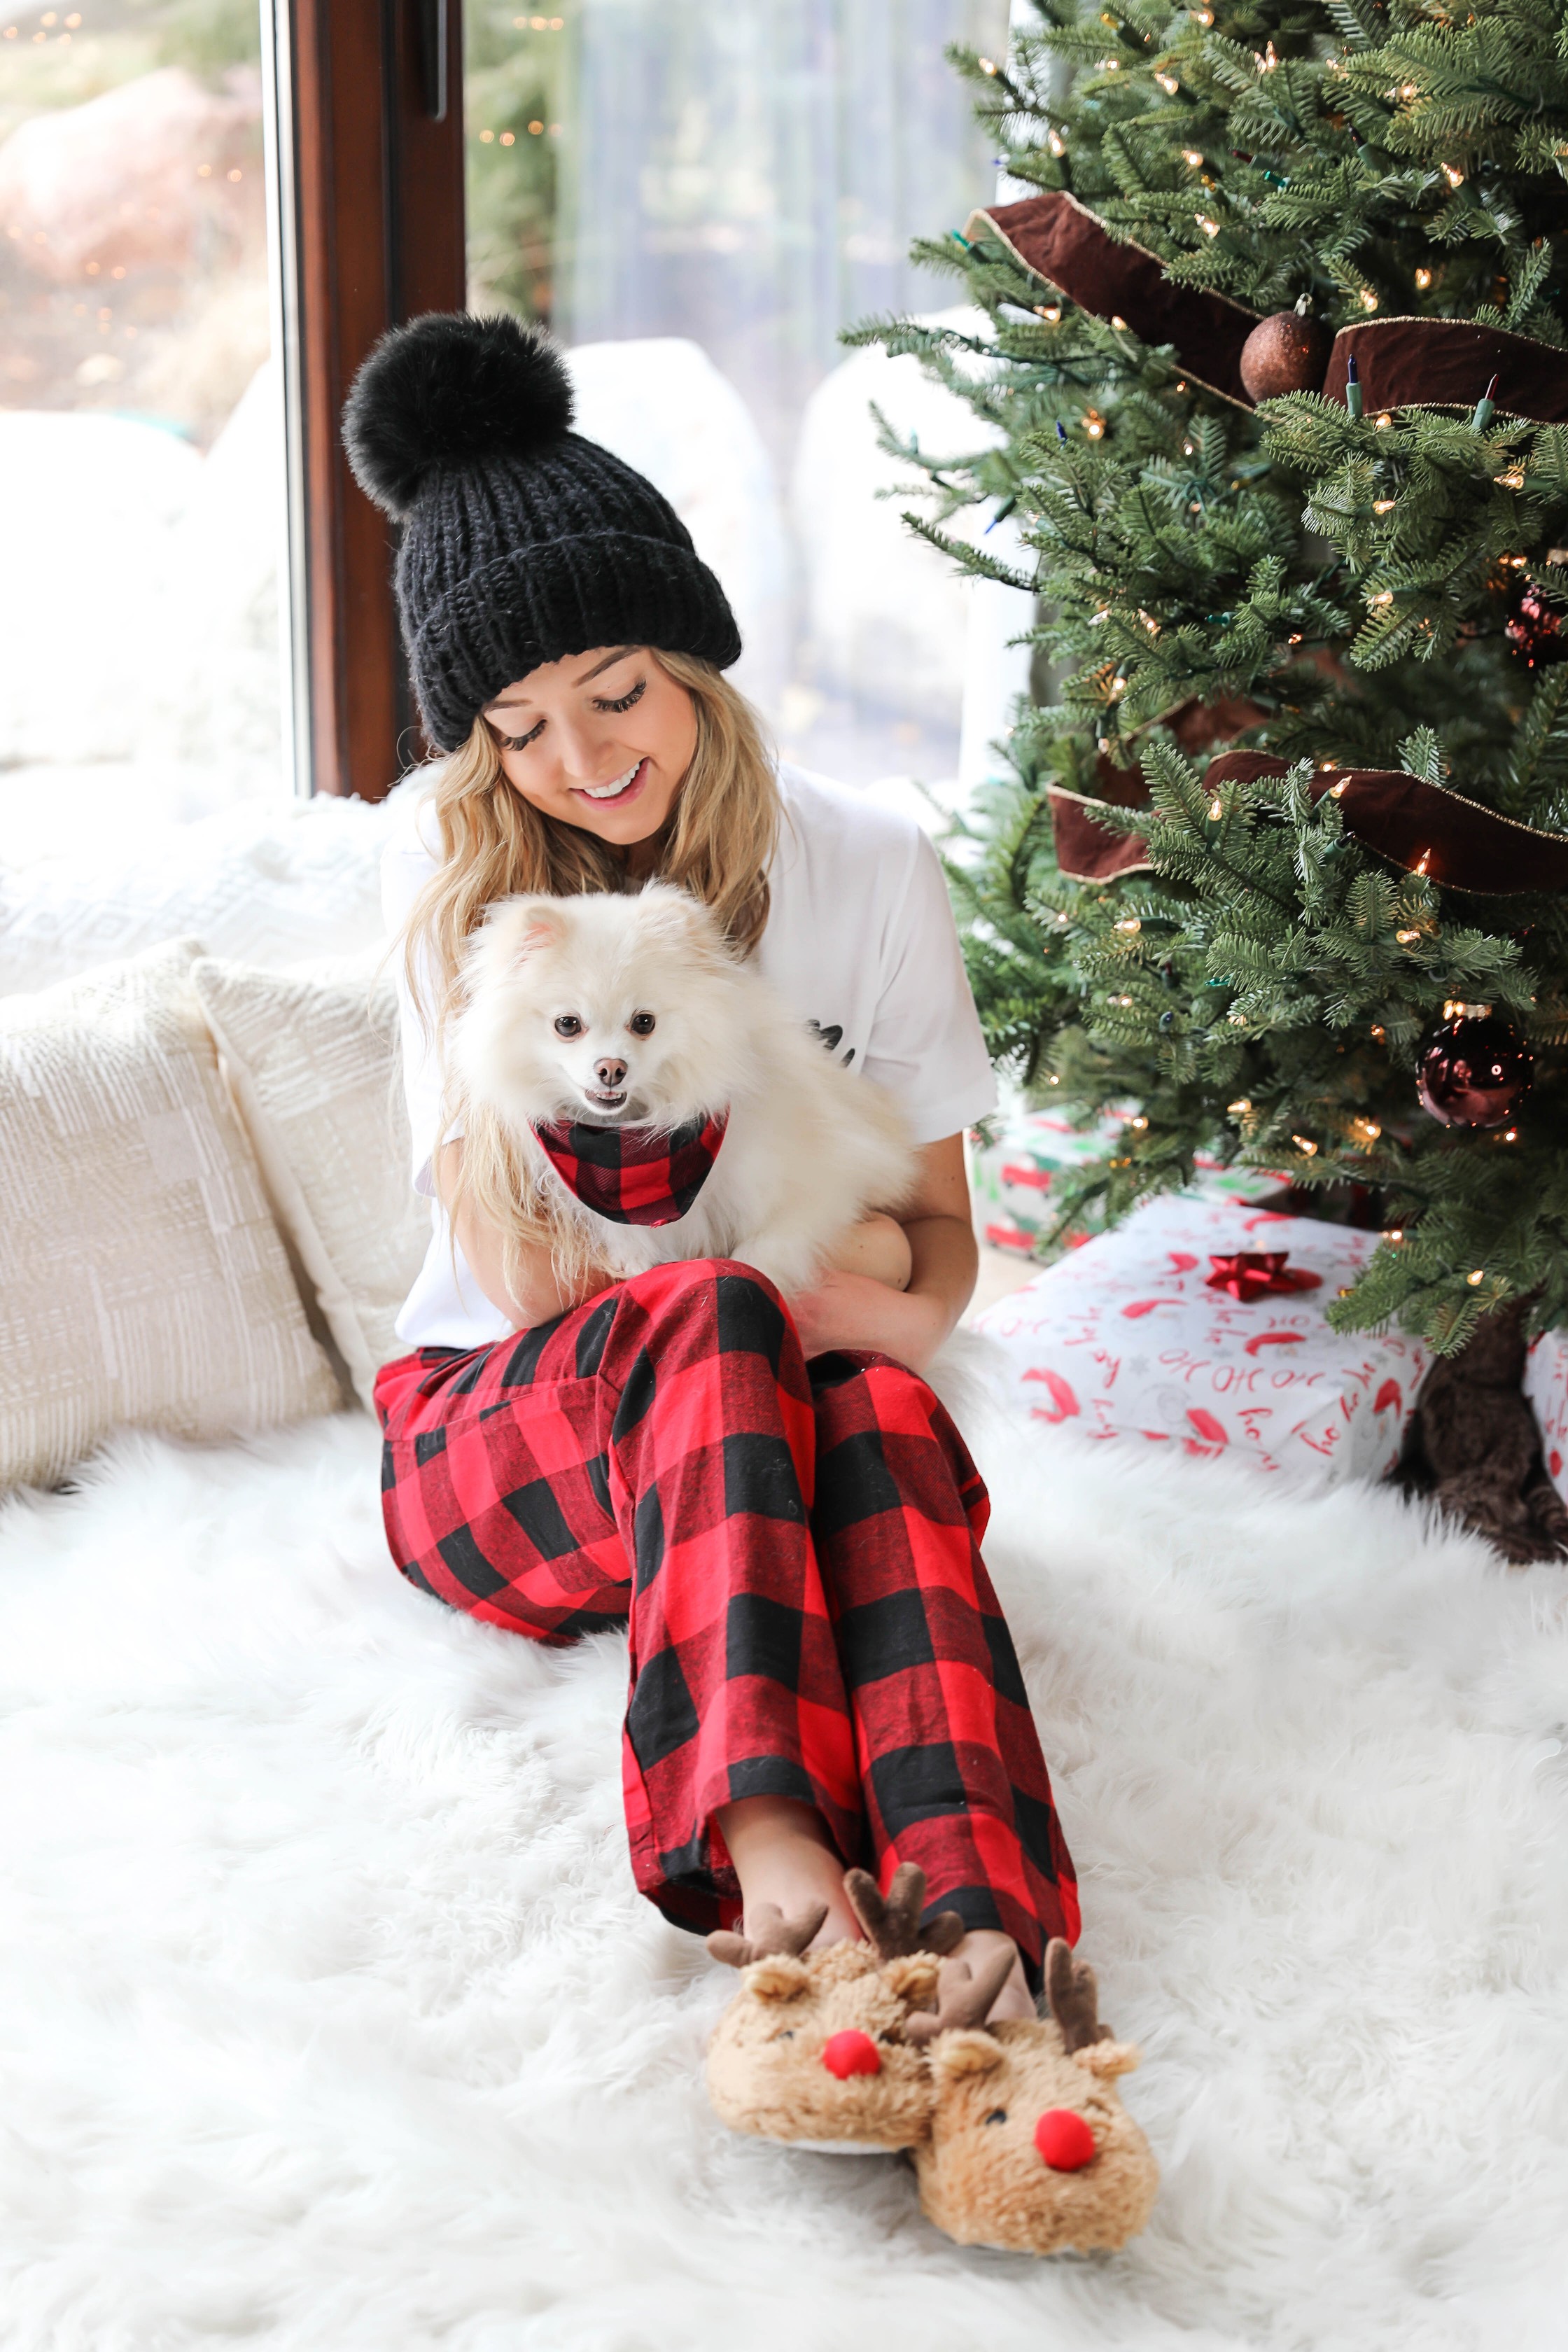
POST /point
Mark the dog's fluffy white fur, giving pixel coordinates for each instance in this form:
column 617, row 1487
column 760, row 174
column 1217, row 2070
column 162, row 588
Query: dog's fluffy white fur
column 810, row 1147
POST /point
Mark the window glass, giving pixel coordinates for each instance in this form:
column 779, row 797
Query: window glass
column 140, row 428
column 698, row 198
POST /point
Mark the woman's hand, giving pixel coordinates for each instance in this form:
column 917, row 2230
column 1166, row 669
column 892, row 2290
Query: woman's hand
column 879, row 1247
column 856, row 1309
column 853, row 1311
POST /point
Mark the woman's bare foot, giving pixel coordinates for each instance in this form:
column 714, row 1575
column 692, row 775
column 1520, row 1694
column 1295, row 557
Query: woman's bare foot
column 1015, row 2000
column 782, row 1855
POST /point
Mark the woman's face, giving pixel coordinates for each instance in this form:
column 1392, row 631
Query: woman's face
column 601, row 741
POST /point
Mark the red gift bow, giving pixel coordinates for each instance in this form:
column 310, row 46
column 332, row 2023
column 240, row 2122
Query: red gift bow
column 1258, row 1274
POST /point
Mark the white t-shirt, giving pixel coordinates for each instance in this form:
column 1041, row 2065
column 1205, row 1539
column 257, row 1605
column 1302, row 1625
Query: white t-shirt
column 860, row 941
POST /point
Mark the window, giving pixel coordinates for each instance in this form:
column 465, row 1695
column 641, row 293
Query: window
column 696, row 195
column 142, row 422
column 698, row 198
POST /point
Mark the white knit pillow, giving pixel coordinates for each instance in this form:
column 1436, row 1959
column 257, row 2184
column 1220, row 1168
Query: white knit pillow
column 311, row 1056
column 142, row 1278
column 268, row 881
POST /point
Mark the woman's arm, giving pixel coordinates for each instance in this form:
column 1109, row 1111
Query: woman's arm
column 539, row 1296
column 854, row 1310
column 904, row 1314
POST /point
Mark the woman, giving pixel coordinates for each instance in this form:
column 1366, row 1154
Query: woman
column 821, row 1676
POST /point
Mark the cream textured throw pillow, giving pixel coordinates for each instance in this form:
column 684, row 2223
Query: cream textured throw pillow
column 311, row 1056
column 141, row 1278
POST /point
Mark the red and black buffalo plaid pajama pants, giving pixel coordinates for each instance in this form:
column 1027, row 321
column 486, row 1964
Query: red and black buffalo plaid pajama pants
column 797, row 1547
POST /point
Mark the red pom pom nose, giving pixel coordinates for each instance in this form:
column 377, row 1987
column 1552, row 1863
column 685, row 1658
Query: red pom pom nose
column 853, row 2053
column 1064, row 2139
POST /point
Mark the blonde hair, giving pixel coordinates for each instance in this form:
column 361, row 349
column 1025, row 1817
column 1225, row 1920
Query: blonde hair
column 518, row 1202
column 495, row 844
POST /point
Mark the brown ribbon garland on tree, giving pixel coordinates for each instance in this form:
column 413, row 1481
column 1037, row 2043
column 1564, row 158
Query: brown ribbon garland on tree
column 1423, row 827
column 1402, row 363
column 1059, row 240
column 1448, row 364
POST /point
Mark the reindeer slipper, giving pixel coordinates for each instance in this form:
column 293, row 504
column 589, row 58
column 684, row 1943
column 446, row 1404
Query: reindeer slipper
column 1027, row 2145
column 1018, row 2138
column 813, row 2048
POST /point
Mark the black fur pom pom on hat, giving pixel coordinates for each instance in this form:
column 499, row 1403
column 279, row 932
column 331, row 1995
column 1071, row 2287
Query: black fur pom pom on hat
column 446, row 391
column 522, row 543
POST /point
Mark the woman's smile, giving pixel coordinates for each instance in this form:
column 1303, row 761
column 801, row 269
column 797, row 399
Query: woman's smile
column 613, row 715
column 619, row 791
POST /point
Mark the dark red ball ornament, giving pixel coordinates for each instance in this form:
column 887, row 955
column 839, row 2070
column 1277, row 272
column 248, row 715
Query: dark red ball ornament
column 1536, row 631
column 1289, row 352
column 1475, row 1070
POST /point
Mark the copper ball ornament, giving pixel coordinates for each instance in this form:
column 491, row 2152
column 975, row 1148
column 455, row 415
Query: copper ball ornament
column 1289, row 352
column 1474, row 1070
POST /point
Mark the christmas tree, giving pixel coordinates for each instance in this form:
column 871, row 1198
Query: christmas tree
column 1284, row 859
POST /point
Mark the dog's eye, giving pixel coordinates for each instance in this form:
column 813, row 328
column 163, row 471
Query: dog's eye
column 568, row 1025
column 641, row 1025
column 997, row 2116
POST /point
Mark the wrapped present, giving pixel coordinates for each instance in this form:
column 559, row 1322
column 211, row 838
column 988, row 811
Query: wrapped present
column 1012, row 1179
column 1201, row 1324
column 1545, row 1387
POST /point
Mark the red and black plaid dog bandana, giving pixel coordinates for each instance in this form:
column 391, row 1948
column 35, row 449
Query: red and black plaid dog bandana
column 634, row 1175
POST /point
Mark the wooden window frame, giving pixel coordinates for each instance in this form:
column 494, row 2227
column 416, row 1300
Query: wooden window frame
column 367, row 116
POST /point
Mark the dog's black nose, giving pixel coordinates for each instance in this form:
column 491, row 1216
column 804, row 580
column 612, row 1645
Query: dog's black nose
column 609, row 1073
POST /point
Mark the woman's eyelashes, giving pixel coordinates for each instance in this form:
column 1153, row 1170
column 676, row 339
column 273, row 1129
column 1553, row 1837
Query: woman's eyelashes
column 521, row 743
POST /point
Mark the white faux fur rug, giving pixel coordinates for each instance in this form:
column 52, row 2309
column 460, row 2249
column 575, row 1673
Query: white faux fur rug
column 330, row 2018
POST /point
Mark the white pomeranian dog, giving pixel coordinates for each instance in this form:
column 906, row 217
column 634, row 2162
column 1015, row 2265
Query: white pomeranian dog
column 631, row 1092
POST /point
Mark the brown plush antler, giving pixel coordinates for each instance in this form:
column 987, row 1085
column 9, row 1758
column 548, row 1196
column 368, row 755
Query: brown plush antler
column 773, row 1933
column 1071, row 1992
column 892, row 1925
column 963, row 1997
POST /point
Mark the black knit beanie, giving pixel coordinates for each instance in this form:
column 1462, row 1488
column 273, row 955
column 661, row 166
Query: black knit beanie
column 522, row 543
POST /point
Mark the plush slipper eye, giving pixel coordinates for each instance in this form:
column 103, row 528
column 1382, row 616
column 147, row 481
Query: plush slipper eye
column 997, row 2116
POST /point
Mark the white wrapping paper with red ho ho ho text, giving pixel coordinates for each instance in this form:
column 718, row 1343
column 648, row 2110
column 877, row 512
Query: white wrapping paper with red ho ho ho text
column 1202, row 1324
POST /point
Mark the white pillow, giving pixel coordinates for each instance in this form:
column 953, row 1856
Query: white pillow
column 311, row 1056
column 267, row 882
column 141, row 1278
